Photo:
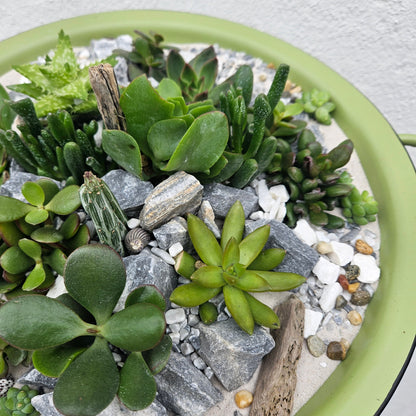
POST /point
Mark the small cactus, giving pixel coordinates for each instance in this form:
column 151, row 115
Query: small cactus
column 17, row 402
column 104, row 210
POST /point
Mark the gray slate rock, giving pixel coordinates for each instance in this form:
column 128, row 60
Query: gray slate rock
column 129, row 190
column 184, row 389
column 44, row 405
column 174, row 231
column 222, row 197
column 35, row 378
column 175, row 196
column 237, row 354
column 299, row 258
column 146, row 268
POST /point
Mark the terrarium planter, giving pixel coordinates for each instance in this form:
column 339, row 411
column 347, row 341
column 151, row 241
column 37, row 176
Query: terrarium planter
column 362, row 382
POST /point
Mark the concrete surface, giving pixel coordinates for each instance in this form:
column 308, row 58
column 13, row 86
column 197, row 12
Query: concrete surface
column 371, row 44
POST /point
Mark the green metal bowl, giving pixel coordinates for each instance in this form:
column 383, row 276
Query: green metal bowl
column 360, row 384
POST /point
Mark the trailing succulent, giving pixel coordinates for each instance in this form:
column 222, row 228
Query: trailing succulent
column 235, row 266
column 34, row 242
column 71, row 335
column 17, row 402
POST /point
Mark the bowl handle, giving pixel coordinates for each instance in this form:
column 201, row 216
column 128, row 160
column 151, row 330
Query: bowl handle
column 408, row 139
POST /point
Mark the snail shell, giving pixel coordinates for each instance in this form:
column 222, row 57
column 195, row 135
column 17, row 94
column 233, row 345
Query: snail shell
column 136, row 240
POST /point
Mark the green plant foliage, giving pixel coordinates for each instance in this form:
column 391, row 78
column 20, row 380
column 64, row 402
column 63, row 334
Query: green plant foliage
column 227, row 269
column 59, row 83
column 17, row 402
column 318, row 104
column 95, row 278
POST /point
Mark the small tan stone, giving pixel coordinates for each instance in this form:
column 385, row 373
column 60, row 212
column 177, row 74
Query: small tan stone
column 362, row 247
column 336, row 351
column 243, row 399
column 262, row 77
column 353, row 287
column 354, row 317
column 323, row 247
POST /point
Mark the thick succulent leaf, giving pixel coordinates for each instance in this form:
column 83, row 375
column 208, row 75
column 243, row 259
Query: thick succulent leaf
column 90, row 382
column 164, row 136
column 231, row 254
column 209, row 276
column 6, row 286
column 233, row 224
column 81, row 238
column 52, row 362
column 245, row 174
column 143, row 106
column 35, row 278
column 33, row 322
column 262, row 314
column 15, row 356
column 56, row 260
column 193, row 294
column 46, row 234
column 281, row 281
column 72, row 304
column 204, row 241
column 209, row 73
column 250, row 281
column 202, row 145
column 30, row 248
column 174, row 65
column 14, row 261
column 268, row 259
column 95, row 277
column 37, row 216
column 65, row 201
column 139, row 327
column 70, row 226
column 33, row 193
column 10, row 233
column 158, row 357
column 137, row 388
column 12, row 209
column 253, row 244
column 123, row 149
column 341, row 154
column 50, row 188
column 239, row 308
column 168, row 88
column 47, row 282
column 234, row 162
column 146, row 294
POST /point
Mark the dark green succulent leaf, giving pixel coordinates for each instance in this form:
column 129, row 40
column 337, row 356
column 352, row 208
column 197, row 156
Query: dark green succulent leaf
column 72, row 304
column 15, row 356
column 33, row 193
column 181, row 109
column 193, row 294
column 146, row 294
column 31, row 248
column 278, row 85
column 234, row 162
column 123, row 149
column 139, row 327
column 137, row 388
column 334, row 222
column 318, row 218
column 253, row 244
column 288, row 131
column 70, row 226
column 50, row 188
column 52, row 362
column 35, row 278
column 37, row 216
column 174, row 65
column 281, row 281
column 12, row 209
column 10, row 233
column 100, row 381
column 47, row 234
column 65, row 201
column 338, row 190
column 47, row 283
column 245, row 173
column 341, row 154
column 262, row 314
column 158, row 357
column 23, row 323
column 250, row 281
column 209, row 74
column 239, row 308
column 14, row 261
column 209, row 276
column 204, row 241
column 202, row 145
column 95, row 277
column 233, row 226
column 168, row 88
column 6, row 286
column 268, row 259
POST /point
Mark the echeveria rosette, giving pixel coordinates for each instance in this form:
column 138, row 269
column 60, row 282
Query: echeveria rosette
column 235, row 266
column 71, row 336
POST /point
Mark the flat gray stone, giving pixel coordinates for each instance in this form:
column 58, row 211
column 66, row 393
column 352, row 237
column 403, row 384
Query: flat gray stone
column 222, row 197
column 183, row 389
column 129, row 190
column 299, row 258
column 175, row 196
column 233, row 354
column 174, row 231
column 146, row 268
column 35, row 378
column 44, row 405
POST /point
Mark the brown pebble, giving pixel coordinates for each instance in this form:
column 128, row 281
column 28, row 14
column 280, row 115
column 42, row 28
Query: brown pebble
column 199, row 264
column 360, row 297
column 271, row 65
column 362, row 247
column 336, row 351
column 353, row 287
column 343, row 281
column 340, row 302
column 243, row 399
column 354, row 317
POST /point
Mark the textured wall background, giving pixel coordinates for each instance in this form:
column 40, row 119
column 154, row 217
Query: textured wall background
column 372, row 44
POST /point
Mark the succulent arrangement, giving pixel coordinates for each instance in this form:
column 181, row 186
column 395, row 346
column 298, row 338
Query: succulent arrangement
column 318, row 104
column 235, row 266
column 71, row 335
column 17, row 402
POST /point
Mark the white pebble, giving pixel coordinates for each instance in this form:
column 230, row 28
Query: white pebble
column 257, row 215
column 322, row 236
column 326, row 271
column 175, row 249
column 175, row 337
column 329, row 296
column 305, row 232
column 117, row 357
column 175, row 316
column 369, row 271
column 187, row 349
column 164, row 255
column 323, row 364
column 279, row 192
column 341, row 254
column 174, row 327
column 266, row 201
column 184, row 332
column 312, row 321
column 193, row 320
column 58, row 288
column 199, row 363
column 133, row 223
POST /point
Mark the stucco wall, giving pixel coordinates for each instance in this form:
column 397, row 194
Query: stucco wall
column 371, row 43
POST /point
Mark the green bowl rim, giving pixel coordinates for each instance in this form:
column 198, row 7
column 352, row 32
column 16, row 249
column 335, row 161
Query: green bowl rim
column 363, row 382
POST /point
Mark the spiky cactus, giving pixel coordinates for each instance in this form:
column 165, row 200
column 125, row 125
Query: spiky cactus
column 102, row 206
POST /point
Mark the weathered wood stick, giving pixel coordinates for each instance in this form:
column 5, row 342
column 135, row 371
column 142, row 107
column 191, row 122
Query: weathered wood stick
column 105, row 87
column 277, row 380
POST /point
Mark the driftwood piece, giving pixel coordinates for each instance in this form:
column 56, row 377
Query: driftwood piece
column 277, row 380
column 105, row 87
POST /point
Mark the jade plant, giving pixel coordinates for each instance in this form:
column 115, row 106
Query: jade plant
column 33, row 243
column 17, row 402
column 57, row 150
column 11, row 356
column 234, row 266
column 71, row 336
column 103, row 208
column 318, row 104
column 59, row 83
